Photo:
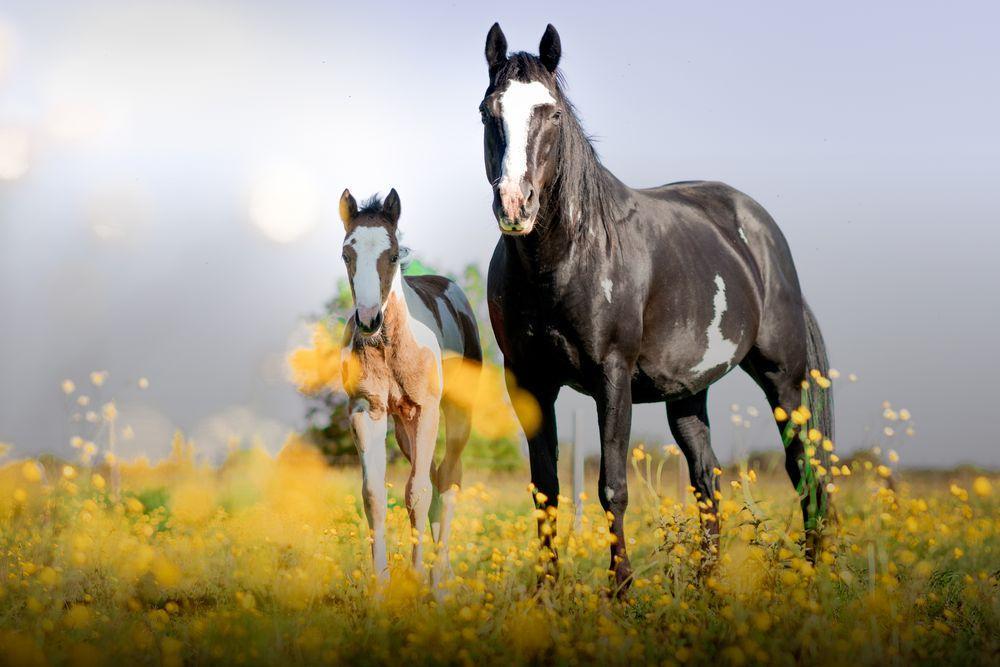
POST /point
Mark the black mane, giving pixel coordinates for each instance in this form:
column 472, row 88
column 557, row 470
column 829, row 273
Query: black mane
column 582, row 183
column 371, row 206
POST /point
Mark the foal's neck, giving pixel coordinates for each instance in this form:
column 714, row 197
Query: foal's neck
column 396, row 318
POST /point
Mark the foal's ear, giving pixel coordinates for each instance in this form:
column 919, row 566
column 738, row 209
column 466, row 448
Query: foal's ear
column 348, row 207
column 496, row 49
column 390, row 207
column 550, row 48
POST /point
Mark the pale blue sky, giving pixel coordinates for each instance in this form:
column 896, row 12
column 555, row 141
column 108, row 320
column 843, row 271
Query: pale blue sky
column 152, row 133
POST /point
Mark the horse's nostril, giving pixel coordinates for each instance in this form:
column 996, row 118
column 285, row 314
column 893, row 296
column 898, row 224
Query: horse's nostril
column 529, row 196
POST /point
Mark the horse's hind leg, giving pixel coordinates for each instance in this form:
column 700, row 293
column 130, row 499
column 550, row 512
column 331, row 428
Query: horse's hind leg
column 782, row 384
column 688, row 419
column 458, row 425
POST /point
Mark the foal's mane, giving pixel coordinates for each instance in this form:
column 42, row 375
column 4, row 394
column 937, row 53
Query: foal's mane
column 584, row 190
column 371, row 206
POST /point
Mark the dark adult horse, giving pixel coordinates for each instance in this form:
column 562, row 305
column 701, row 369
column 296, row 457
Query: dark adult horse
column 634, row 296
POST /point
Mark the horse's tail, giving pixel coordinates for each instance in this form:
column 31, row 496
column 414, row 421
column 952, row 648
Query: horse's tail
column 820, row 398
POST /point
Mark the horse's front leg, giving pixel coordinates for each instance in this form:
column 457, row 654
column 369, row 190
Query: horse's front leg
column 614, row 412
column 369, row 427
column 418, row 487
column 543, row 455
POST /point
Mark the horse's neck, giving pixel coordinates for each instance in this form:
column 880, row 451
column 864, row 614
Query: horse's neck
column 568, row 234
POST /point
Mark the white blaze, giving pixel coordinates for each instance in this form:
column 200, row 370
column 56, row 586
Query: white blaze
column 517, row 104
column 369, row 243
column 719, row 351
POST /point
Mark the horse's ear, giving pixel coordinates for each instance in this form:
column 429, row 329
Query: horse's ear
column 550, row 48
column 390, row 207
column 496, row 49
column 348, row 207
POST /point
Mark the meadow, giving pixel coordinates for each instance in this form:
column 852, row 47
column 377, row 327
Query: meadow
column 264, row 560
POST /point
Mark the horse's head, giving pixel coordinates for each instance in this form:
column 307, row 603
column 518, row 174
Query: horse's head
column 522, row 111
column 371, row 254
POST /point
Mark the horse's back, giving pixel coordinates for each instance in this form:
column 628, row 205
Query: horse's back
column 441, row 304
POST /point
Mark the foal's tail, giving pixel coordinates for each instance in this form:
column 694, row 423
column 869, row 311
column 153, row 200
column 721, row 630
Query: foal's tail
column 820, row 398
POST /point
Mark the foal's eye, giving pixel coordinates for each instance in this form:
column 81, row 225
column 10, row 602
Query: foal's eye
column 556, row 116
column 345, row 258
column 394, row 259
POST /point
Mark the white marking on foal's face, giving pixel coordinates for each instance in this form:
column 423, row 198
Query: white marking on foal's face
column 517, row 104
column 368, row 243
column 719, row 351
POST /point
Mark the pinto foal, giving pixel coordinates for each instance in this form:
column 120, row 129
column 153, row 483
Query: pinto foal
column 405, row 336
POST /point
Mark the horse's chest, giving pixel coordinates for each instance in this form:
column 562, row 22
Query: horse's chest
column 542, row 335
column 400, row 383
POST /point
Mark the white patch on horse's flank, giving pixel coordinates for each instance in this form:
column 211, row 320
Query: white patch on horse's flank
column 609, row 493
column 369, row 243
column 719, row 351
column 452, row 332
column 422, row 334
column 606, row 284
column 517, row 104
column 743, row 235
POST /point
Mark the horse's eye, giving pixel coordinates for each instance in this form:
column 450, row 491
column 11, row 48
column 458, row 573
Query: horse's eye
column 484, row 115
column 556, row 116
column 345, row 258
column 394, row 259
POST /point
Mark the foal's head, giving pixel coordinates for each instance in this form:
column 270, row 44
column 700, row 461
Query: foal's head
column 371, row 254
column 522, row 113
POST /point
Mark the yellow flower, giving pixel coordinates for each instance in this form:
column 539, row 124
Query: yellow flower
column 31, row 471
column 982, row 487
column 143, row 383
column 77, row 617
column 109, row 411
column 97, row 378
column 780, row 414
column 815, row 435
column 68, row 387
column 98, row 482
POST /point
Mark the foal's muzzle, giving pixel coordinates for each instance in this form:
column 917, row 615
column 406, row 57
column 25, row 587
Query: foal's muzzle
column 369, row 320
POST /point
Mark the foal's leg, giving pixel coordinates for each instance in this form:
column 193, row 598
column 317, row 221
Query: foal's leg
column 404, row 438
column 688, row 419
column 614, row 412
column 457, row 424
column 543, row 456
column 418, row 487
column 369, row 430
